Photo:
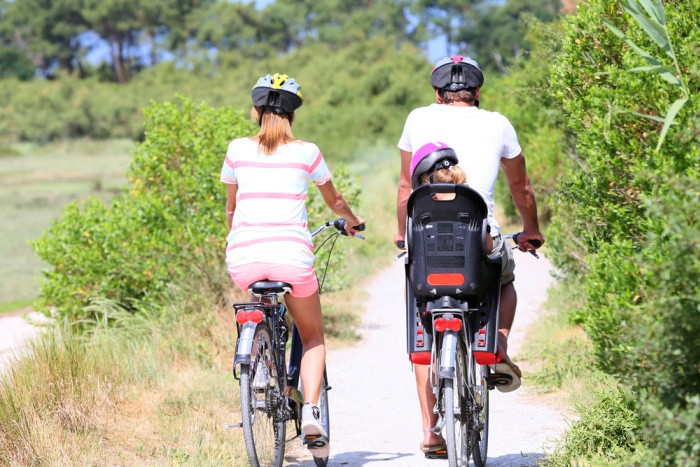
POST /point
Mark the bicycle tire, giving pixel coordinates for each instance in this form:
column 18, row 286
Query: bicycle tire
column 264, row 427
column 456, row 414
column 325, row 414
column 478, row 407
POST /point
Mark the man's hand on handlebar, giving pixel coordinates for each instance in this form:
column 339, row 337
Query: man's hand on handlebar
column 399, row 241
column 530, row 240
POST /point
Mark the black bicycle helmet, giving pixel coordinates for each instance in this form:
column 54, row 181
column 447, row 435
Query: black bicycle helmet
column 456, row 73
column 429, row 158
column 278, row 93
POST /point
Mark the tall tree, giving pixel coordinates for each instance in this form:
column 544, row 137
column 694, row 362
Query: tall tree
column 445, row 18
column 496, row 37
column 335, row 22
column 49, row 30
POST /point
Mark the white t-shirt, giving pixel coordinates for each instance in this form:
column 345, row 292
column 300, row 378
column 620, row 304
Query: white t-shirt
column 270, row 220
column 479, row 137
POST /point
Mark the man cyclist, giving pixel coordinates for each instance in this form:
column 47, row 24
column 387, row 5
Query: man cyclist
column 483, row 141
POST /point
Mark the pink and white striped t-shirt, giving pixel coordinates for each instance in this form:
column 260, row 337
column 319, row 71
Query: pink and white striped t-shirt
column 270, row 220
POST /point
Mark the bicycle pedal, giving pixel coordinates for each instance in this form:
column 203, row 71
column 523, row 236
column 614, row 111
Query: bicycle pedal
column 231, row 427
column 315, row 441
column 499, row 379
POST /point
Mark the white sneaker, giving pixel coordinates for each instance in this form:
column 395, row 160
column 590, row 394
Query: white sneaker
column 314, row 435
column 261, row 378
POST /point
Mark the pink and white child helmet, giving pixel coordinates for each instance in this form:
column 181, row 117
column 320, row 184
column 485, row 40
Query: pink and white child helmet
column 429, row 158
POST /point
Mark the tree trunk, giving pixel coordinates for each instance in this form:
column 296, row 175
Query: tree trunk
column 117, row 58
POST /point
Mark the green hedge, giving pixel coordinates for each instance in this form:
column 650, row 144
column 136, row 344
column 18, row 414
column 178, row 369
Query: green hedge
column 625, row 224
column 166, row 228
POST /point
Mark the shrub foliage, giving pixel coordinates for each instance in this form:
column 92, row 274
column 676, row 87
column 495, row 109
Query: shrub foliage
column 166, row 227
column 625, row 223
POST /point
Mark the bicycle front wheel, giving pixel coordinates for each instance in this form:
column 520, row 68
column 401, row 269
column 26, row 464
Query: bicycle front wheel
column 478, row 409
column 454, row 402
column 262, row 403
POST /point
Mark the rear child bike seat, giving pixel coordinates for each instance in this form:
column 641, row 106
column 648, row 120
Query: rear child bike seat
column 446, row 241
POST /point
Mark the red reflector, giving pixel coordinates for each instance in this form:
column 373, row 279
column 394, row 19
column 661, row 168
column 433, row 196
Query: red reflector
column 485, row 358
column 446, row 279
column 453, row 324
column 420, row 358
column 243, row 317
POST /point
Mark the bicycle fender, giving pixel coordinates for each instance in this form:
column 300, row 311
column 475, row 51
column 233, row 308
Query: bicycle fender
column 448, row 354
column 245, row 343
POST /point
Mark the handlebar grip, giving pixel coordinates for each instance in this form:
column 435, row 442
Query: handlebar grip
column 339, row 224
column 533, row 242
column 401, row 244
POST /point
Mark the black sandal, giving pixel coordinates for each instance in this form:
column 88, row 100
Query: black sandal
column 434, row 451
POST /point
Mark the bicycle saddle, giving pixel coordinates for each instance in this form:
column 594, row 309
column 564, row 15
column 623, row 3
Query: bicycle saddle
column 268, row 287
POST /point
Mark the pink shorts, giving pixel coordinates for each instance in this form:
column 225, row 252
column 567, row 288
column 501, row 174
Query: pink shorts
column 303, row 280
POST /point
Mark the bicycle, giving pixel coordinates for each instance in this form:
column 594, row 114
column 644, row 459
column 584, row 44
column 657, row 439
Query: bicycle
column 453, row 293
column 271, row 392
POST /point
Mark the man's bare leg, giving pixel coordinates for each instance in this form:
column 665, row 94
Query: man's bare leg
column 427, row 401
column 509, row 301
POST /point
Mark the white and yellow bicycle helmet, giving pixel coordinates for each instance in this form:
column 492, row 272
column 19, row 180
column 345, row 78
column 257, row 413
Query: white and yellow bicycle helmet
column 278, row 93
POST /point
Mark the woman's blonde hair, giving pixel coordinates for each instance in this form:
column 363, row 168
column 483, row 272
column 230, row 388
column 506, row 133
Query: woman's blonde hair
column 452, row 174
column 275, row 129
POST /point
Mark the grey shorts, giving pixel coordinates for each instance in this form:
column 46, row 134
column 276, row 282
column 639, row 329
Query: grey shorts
column 502, row 250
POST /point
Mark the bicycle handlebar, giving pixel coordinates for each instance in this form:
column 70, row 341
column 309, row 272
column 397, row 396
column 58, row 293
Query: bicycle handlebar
column 339, row 224
column 533, row 242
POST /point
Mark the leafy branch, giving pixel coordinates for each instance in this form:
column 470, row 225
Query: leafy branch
column 651, row 17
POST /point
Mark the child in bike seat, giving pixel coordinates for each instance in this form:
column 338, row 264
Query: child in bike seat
column 268, row 177
column 437, row 163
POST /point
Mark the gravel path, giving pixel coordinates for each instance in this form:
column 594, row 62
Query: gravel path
column 16, row 331
column 375, row 419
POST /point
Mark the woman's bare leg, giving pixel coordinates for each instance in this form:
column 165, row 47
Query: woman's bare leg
column 306, row 313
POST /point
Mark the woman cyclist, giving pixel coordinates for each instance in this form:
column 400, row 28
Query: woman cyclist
column 268, row 176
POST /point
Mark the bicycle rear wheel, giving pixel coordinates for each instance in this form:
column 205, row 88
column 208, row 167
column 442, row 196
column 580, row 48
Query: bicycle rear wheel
column 478, row 409
column 454, row 402
column 262, row 403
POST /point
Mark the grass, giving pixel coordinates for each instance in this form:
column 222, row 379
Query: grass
column 560, row 352
column 153, row 388
column 562, row 363
column 36, row 182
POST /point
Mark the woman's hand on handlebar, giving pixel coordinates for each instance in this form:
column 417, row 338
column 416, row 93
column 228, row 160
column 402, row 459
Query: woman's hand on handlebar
column 351, row 226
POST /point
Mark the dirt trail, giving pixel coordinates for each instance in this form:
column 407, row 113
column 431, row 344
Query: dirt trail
column 375, row 418
column 16, row 330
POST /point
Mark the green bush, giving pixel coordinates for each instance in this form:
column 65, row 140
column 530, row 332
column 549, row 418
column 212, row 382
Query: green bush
column 604, row 434
column 673, row 434
column 625, row 221
column 165, row 228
